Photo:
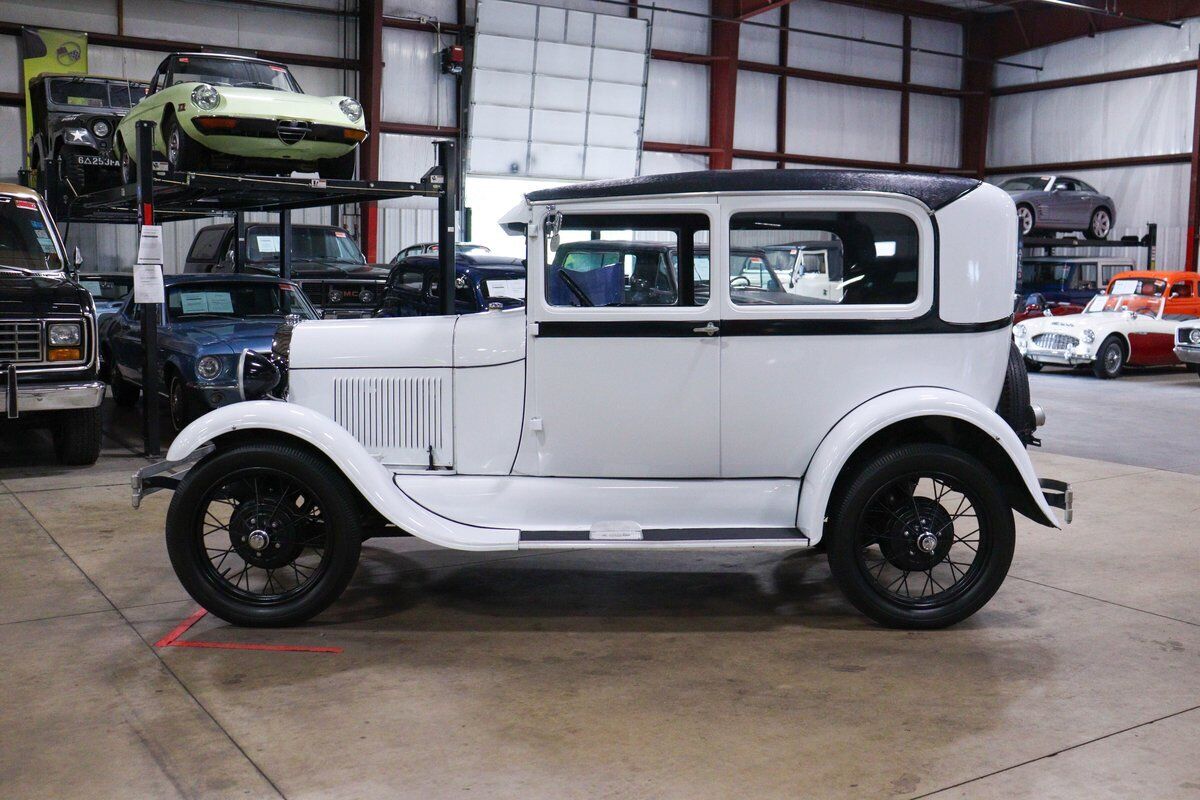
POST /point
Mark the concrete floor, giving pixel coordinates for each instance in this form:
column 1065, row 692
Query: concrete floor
column 585, row 675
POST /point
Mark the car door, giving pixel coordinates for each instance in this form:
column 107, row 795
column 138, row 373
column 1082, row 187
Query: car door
column 621, row 383
column 793, row 364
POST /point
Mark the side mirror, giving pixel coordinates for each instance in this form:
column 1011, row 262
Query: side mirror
column 77, row 258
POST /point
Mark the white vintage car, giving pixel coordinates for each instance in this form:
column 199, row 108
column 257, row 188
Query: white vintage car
column 1114, row 331
column 605, row 416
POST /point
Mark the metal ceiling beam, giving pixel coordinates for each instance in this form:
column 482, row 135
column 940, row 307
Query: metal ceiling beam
column 1045, row 24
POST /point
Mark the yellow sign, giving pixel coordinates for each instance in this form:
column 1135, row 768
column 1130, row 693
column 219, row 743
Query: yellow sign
column 45, row 50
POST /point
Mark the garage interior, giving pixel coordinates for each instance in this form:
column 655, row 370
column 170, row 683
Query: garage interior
column 576, row 673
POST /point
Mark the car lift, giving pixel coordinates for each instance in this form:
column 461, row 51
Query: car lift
column 164, row 196
column 1049, row 244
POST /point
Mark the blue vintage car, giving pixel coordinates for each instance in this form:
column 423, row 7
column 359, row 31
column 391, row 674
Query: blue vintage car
column 412, row 285
column 208, row 320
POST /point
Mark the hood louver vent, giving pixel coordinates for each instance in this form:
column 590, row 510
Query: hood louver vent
column 399, row 418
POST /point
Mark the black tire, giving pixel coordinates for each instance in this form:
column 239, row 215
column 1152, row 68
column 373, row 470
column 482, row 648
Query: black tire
column 128, row 167
column 1110, row 358
column 271, row 468
column 182, row 152
column 77, row 436
column 1014, row 406
column 1026, row 221
column 1033, row 366
column 870, row 512
column 1100, row 225
column 125, row 394
column 181, row 405
column 340, row 168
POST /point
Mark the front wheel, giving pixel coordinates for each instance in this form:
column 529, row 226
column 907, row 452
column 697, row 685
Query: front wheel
column 264, row 534
column 1110, row 359
column 1033, row 366
column 128, row 167
column 180, row 404
column 76, row 437
column 921, row 537
column 1025, row 220
column 1101, row 224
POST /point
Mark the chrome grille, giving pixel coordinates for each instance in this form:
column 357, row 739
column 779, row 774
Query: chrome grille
column 20, row 341
column 1055, row 341
column 390, row 414
column 291, row 131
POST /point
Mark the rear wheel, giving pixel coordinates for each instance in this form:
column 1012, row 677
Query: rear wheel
column 77, row 436
column 1025, row 220
column 264, row 534
column 1110, row 358
column 921, row 537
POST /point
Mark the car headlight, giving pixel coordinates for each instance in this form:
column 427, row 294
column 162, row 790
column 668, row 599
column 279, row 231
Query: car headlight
column 1089, row 335
column 366, row 296
column 208, row 367
column 351, row 108
column 101, row 128
column 205, row 97
column 1194, row 336
column 1020, row 331
column 335, row 295
column 66, row 334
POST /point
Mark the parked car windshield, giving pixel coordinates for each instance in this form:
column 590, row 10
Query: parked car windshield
column 108, row 287
column 309, row 245
column 232, row 72
column 1125, row 302
column 26, row 240
column 235, row 300
column 95, row 94
column 1028, row 184
column 1148, row 287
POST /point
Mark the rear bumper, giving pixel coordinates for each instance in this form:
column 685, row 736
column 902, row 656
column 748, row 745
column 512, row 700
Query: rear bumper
column 35, row 397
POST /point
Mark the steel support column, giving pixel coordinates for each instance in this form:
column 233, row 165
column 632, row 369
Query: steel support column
column 370, row 87
column 976, row 104
column 151, row 436
column 781, row 85
column 905, row 93
column 722, row 83
column 1194, row 184
column 447, row 153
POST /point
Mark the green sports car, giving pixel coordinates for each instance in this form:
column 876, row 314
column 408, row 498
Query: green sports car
column 241, row 114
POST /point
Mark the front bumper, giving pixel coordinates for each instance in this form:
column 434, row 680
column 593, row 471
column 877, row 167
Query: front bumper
column 1187, row 354
column 215, row 395
column 1063, row 358
column 35, row 397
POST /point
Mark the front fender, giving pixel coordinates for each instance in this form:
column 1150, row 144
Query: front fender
column 372, row 479
column 888, row 409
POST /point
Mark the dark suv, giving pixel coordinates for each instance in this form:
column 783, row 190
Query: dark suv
column 326, row 262
column 74, row 118
column 48, row 355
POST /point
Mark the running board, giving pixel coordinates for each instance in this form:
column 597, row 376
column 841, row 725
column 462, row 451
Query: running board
column 631, row 537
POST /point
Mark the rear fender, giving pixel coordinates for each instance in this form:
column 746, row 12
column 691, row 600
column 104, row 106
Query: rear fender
column 372, row 480
column 886, row 410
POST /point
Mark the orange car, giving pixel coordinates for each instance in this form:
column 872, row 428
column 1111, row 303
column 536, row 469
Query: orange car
column 1180, row 290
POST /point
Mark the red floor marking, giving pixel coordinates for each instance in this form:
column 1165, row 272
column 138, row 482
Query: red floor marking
column 172, row 640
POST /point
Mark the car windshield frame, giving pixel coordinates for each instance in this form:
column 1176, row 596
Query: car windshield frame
column 307, row 234
column 108, row 104
column 265, row 69
column 1030, row 186
column 175, row 314
column 41, row 259
column 1118, row 303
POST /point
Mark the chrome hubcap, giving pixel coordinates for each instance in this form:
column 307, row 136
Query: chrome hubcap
column 1100, row 226
column 173, row 147
column 258, row 540
column 927, row 542
column 1026, row 220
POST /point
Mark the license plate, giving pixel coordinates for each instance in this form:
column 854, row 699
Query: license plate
column 96, row 161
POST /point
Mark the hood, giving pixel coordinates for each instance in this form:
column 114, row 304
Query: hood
column 40, row 294
column 310, row 269
column 1073, row 323
column 235, row 335
column 374, row 343
column 248, row 101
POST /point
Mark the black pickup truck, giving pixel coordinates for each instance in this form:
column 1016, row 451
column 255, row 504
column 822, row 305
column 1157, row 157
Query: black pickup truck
column 326, row 262
column 49, row 364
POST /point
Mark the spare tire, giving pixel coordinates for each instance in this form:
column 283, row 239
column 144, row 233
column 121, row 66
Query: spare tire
column 1014, row 406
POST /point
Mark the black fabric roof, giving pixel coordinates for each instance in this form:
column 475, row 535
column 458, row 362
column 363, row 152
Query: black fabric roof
column 934, row 191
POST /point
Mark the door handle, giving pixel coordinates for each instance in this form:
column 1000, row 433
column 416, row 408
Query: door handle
column 709, row 329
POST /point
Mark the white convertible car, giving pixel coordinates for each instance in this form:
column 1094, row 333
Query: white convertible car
column 604, row 415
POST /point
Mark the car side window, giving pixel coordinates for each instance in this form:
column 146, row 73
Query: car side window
column 410, row 280
column 871, row 258
column 628, row 260
column 207, row 243
column 1181, row 289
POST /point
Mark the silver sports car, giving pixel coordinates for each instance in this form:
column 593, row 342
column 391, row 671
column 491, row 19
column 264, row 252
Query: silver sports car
column 1061, row 203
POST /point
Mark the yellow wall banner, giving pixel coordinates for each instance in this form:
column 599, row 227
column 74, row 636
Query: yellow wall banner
column 44, row 50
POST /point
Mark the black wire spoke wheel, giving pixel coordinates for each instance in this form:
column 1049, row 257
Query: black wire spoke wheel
column 263, row 536
column 920, row 536
column 264, row 533
column 921, row 541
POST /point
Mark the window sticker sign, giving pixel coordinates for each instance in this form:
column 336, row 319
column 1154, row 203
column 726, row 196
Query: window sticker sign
column 150, row 245
column 514, row 288
column 206, row 302
column 148, row 283
column 267, row 244
column 1126, row 286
